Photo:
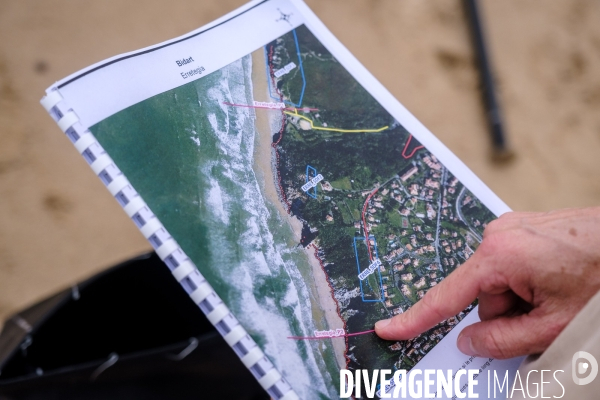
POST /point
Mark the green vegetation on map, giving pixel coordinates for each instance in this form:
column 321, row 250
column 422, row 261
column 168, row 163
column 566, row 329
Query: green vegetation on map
column 423, row 222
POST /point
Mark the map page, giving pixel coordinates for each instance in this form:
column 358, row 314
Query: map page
column 313, row 204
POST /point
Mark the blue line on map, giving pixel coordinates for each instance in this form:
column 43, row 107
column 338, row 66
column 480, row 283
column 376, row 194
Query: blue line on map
column 362, row 292
column 301, row 69
column 301, row 72
column 308, row 178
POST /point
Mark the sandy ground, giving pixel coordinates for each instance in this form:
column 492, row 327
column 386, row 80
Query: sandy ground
column 58, row 224
column 329, row 307
column 266, row 122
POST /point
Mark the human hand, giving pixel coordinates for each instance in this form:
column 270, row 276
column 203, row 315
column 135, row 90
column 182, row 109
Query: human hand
column 532, row 273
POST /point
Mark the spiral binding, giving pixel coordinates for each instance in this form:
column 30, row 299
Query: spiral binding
column 182, row 268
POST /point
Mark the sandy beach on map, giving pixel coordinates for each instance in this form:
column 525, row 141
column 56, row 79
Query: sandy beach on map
column 264, row 165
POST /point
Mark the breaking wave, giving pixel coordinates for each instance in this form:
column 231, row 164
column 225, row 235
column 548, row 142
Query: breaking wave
column 266, row 291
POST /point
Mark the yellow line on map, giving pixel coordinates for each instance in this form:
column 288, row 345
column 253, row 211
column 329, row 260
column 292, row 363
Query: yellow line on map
column 321, row 128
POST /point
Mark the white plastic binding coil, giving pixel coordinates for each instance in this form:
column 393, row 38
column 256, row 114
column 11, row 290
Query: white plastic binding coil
column 203, row 290
column 50, row 100
column 183, row 270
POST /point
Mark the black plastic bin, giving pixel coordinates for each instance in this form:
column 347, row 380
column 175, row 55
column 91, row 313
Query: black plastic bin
column 130, row 332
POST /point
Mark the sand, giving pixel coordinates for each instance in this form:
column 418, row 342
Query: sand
column 329, row 306
column 267, row 121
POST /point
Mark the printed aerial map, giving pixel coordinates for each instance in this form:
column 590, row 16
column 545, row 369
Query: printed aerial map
column 307, row 206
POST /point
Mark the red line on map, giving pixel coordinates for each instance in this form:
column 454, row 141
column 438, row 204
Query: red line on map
column 321, row 338
column 271, row 108
column 406, row 148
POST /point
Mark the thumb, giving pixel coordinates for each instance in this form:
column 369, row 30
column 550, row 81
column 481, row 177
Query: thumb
column 508, row 337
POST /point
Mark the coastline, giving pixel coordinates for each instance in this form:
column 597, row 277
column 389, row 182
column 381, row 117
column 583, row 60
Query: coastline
column 264, row 165
column 328, row 305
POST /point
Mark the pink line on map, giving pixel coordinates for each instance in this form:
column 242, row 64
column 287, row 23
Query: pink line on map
column 407, row 156
column 329, row 337
column 271, row 108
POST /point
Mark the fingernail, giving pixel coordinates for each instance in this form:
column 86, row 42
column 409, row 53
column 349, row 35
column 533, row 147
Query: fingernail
column 465, row 345
column 383, row 323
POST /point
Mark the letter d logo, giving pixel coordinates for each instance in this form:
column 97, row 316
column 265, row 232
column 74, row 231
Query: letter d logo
column 580, row 367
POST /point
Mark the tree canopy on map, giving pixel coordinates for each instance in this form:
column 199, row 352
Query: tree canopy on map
column 421, row 221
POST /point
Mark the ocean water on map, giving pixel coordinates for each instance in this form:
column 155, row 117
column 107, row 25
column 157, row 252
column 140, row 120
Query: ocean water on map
column 197, row 157
column 259, row 259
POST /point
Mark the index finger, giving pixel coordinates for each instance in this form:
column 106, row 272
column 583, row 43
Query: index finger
column 441, row 302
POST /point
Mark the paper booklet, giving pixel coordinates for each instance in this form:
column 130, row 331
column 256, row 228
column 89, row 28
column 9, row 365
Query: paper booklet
column 294, row 199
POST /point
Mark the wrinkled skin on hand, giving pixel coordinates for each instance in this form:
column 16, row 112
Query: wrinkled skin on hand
column 532, row 273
